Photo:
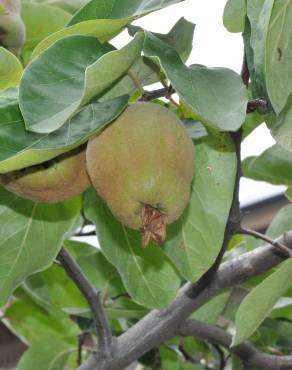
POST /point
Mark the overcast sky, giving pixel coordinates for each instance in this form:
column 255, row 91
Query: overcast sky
column 214, row 46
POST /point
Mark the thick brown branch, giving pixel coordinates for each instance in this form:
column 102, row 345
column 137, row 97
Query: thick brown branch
column 249, row 354
column 103, row 331
column 159, row 326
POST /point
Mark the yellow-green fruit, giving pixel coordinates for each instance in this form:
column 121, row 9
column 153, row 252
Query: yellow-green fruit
column 54, row 181
column 142, row 165
column 12, row 29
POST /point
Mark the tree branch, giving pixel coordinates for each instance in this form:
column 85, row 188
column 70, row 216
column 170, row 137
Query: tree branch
column 92, row 296
column 287, row 252
column 248, row 354
column 164, row 92
column 252, row 105
column 159, row 326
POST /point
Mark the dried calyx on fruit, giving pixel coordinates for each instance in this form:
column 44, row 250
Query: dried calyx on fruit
column 12, row 29
column 53, row 181
column 142, row 165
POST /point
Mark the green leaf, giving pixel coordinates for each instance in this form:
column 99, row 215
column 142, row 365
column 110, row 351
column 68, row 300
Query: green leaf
column 190, row 244
column 40, row 21
column 147, row 273
column 103, row 20
column 280, row 126
column 253, row 120
column 21, row 148
column 180, row 37
column 279, row 55
column 210, row 311
column 53, row 288
column 259, row 13
column 258, row 304
column 281, row 223
column 31, row 235
column 68, row 5
column 234, row 15
column 274, row 165
column 53, row 89
column 10, row 69
column 49, row 354
column 216, row 95
column 102, row 275
column 115, row 9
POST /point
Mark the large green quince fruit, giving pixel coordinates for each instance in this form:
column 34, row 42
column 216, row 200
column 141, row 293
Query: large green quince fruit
column 142, row 165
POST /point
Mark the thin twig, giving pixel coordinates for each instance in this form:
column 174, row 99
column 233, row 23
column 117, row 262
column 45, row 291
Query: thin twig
column 80, row 348
column 222, row 359
column 92, row 296
column 281, row 247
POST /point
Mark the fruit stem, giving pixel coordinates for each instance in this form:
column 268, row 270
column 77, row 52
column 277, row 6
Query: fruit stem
column 153, row 226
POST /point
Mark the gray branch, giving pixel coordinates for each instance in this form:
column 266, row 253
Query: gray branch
column 246, row 352
column 159, row 326
column 92, row 296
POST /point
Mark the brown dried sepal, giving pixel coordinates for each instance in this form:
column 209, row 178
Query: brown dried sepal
column 153, row 226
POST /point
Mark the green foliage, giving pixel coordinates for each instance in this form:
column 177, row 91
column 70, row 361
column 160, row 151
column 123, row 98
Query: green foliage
column 31, row 236
column 234, row 15
column 47, row 91
column 216, row 95
column 190, row 245
column 67, row 84
column 258, row 304
column 274, row 165
column 10, row 69
column 148, row 275
column 40, row 21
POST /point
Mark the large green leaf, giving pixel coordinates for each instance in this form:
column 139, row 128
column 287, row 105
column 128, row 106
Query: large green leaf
column 210, row 311
column 103, row 20
column 234, row 15
column 147, row 273
column 21, row 148
column 53, row 288
column 50, row 353
column 53, row 89
column 10, row 69
column 217, row 95
column 258, row 304
column 115, row 9
column 40, row 21
column 32, row 323
column 274, row 165
column 180, row 37
column 102, row 275
column 31, row 235
column 259, row 13
column 190, row 244
column 279, row 54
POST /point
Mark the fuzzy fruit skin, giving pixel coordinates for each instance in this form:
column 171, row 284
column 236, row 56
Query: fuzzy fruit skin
column 12, row 29
column 145, row 157
column 63, row 178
